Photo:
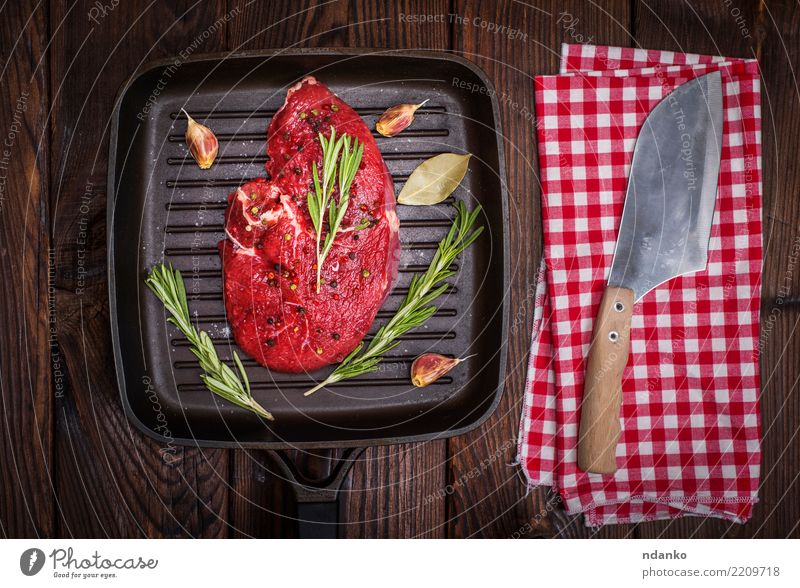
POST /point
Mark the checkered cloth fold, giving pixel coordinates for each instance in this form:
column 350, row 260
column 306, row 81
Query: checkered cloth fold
column 690, row 416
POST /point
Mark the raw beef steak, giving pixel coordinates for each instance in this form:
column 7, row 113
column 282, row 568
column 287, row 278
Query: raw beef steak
column 269, row 256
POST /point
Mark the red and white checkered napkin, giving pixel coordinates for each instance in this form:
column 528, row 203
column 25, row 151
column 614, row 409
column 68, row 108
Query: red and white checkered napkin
column 690, row 417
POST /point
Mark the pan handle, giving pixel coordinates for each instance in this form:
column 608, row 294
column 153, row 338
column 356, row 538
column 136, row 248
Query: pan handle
column 318, row 520
column 318, row 500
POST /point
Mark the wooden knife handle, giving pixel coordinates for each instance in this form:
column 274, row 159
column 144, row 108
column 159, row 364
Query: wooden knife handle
column 602, row 390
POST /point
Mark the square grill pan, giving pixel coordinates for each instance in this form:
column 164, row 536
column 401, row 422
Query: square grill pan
column 161, row 207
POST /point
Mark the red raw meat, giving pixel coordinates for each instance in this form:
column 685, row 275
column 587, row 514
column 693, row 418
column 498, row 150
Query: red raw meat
column 269, row 256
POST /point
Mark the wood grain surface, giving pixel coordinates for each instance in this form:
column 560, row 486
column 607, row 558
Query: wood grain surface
column 73, row 466
column 28, row 356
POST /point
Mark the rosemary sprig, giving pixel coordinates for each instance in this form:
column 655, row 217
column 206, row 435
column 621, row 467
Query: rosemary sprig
column 321, row 201
column 416, row 307
column 167, row 284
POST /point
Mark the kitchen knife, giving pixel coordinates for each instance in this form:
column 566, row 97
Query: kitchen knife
column 664, row 233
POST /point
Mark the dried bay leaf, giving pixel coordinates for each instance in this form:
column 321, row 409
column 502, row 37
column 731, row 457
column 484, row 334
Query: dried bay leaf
column 434, row 179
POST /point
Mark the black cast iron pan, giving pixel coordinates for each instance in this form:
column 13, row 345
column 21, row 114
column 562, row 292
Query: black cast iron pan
column 161, row 207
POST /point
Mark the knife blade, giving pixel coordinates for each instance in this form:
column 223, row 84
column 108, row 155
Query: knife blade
column 664, row 233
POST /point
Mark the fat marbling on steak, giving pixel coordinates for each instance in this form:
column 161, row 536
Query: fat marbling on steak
column 269, row 255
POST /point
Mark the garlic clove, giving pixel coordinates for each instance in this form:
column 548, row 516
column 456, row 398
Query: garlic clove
column 202, row 142
column 396, row 119
column 429, row 367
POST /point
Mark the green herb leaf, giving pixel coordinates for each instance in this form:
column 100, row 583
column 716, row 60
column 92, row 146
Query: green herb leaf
column 416, row 307
column 362, row 225
column 167, row 284
column 322, row 201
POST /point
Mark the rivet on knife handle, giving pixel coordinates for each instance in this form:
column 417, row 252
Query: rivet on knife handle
column 602, row 392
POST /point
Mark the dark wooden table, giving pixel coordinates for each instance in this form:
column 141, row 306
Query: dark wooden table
column 71, row 464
